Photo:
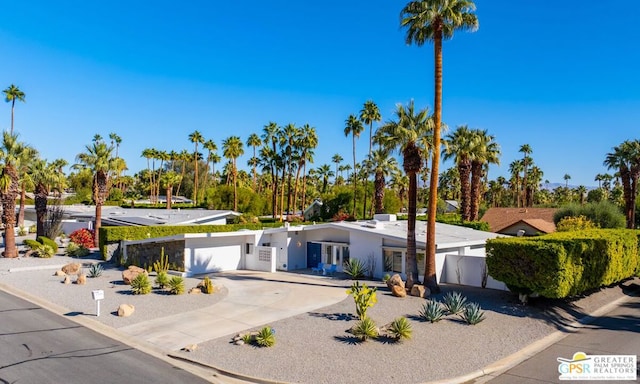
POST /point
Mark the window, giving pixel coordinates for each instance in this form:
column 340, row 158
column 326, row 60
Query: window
column 420, row 259
column 248, row 249
column 345, row 255
column 328, row 254
column 392, row 261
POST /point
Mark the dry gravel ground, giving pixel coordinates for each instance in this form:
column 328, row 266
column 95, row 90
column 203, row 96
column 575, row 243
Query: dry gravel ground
column 315, row 347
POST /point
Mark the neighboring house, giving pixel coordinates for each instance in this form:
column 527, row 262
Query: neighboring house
column 313, row 210
column 381, row 245
column 520, row 221
column 451, row 206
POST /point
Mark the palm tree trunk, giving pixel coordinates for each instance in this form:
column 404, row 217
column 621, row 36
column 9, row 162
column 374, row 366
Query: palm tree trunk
column 295, row 189
column 235, row 187
column 304, row 188
column 13, row 106
column 40, row 200
column 169, row 197
column 379, row 192
column 23, row 197
column 284, row 169
column 355, row 181
column 430, row 279
column 8, row 197
column 464, row 169
column 412, row 263
column 476, row 183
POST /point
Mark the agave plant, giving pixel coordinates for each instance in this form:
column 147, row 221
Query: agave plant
column 176, row 285
column 400, row 328
column 472, row 314
column 162, row 280
column 95, row 270
column 454, row 302
column 355, row 268
column 266, row 337
column 432, row 311
column 365, row 329
column 141, row 284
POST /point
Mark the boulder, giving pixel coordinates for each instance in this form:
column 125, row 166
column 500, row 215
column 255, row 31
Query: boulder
column 72, row 268
column 67, row 280
column 59, row 273
column 82, row 279
column 420, row 291
column 195, row 291
column 190, row 348
column 398, row 291
column 131, row 273
column 395, row 280
column 125, row 310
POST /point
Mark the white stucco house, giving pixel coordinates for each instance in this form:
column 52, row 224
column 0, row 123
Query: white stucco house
column 380, row 244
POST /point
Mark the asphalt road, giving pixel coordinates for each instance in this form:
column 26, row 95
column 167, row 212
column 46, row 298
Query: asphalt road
column 37, row 346
column 616, row 333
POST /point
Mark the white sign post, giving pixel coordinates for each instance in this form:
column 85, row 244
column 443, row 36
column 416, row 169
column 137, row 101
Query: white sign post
column 97, row 294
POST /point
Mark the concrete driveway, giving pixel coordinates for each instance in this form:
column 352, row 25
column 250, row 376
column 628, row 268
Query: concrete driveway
column 254, row 299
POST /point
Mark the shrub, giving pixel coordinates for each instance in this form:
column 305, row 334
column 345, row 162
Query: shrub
column 564, row 263
column 386, row 277
column 432, row 311
column 574, row 223
column 355, row 268
column 74, row 250
column 266, row 337
column 472, row 314
column 83, row 237
column 454, row 302
column 53, row 223
column 207, row 285
column 603, row 214
column 39, row 249
column 364, row 298
column 176, row 285
column 141, row 284
column 47, row 241
column 400, row 328
column 162, row 280
column 95, row 270
column 365, row 329
column 22, row 231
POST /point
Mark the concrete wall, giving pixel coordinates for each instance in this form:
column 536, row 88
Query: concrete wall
column 203, row 255
column 368, row 248
column 468, row 270
column 262, row 259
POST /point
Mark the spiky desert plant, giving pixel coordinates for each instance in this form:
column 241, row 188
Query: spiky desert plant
column 141, row 284
column 176, row 285
column 454, row 302
column 162, row 280
column 364, row 297
column 247, row 338
column 207, row 285
column 355, row 268
column 365, row 329
column 400, row 328
column 432, row 311
column 161, row 265
column 266, row 337
column 472, row 314
column 95, row 270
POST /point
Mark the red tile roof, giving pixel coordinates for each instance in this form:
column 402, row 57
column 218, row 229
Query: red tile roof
column 538, row 218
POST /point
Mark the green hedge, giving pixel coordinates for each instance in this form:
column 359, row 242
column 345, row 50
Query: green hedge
column 564, row 264
column 115, row 234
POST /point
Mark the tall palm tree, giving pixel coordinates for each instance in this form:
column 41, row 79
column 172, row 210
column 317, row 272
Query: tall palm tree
column 168, row 180
column 232, row 149
column 10, row 154
column 485, row 151
column 211, row 147
column 44, row 176
column 270, row 153
column 353, row 127
column 336, row 159
column 460, row 145
column 515, row 167
column 115, row 141
column 289, row 138
column 195, row 137
column 254, row 141
column 368, row 115
column 403, row 134
column 435, row 20
column 97, row 158
column 324, row 172
column 183, row 156
column 526, row 150
column 308, row 142
column 626, row 158
column 566, row 178
column 27, row 156
column 11, row 94
column 383, row 166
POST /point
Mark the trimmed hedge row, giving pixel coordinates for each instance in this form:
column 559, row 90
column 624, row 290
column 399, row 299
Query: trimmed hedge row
column 564, row 264
column 115, row 234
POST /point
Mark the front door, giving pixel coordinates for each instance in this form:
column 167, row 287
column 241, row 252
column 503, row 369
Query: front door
column 314, row 254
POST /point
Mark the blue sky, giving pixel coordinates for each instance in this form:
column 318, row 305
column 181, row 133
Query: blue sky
column 559, row 76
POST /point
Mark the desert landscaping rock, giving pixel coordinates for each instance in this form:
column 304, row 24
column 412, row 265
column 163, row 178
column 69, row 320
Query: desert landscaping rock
column 126, row 310
column 72, row 268
column 82, row 279
column 129, row 274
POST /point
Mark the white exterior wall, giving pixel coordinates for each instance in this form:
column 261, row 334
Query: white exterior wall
column 280, row 241
column 470, row 270
column 262, row 259
column 216, row 253
column 364, row 245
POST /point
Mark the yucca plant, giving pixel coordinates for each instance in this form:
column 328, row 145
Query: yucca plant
column 364, row 297
column 207, row 285
column 75, row 250
column 162, row 280
column 365, row 329
column 355, row 268
column 95, row 270
column 266, row 337
column 454, row 302
column 247, row 338
column 176, row 285
column 400, row 328
column 472, row 314
column 432, row 311
column 141, row 284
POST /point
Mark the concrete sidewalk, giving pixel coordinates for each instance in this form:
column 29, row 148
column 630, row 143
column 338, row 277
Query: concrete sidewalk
column 254, row 299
